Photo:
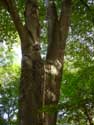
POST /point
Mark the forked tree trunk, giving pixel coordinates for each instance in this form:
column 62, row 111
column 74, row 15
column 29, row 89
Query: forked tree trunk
column 40, row 80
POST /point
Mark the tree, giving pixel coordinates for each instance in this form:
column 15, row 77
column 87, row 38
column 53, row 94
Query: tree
column 77, row 96
column 40, row 79
column 77, row 85
column 9, row 94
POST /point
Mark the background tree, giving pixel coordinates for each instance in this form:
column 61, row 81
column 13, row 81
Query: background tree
column 9, row 79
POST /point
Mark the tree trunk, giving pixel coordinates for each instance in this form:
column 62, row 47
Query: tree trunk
column 40, row 80
column 51, row 97
column 39, row 88
column 31, row 94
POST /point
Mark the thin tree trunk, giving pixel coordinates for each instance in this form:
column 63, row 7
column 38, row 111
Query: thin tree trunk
column 89, row 116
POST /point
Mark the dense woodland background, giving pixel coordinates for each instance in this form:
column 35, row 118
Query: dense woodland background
column 76, row 104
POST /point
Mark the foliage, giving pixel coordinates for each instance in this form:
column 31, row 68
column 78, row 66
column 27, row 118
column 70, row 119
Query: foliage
column 9, row 79
column 77, row 95
column 9, row 92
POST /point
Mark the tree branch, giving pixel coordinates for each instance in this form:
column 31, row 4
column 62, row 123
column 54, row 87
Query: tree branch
column 10, row 5
column 32, row 20
column 52, row 27
column 65, row 20
column 33, row 27
column 58, row 32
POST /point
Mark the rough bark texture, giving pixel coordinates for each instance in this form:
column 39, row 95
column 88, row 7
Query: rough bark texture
column 40, row 81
